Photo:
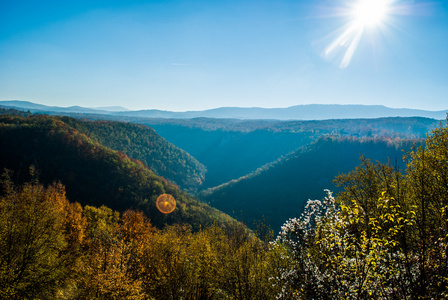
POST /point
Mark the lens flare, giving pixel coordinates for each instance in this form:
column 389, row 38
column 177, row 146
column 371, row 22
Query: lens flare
column 166, row 203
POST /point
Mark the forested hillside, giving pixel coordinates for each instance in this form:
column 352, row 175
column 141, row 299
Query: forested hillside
column 259, row 160
column 51, row 248
column 233, row 148
column 231, row 154
column 143, row 143
column 92, row 173
column 384, row 236
column 278, row 191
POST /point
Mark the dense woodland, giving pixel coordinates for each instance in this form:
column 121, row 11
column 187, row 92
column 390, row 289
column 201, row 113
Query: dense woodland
column 383, row 236
column 51, row 248
column 143, row 143
column 92, row 173
column 234, row 148
column 279, row 190
column 229, row 155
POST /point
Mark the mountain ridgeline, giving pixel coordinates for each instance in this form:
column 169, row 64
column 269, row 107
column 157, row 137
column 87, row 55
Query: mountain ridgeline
column 297, row 112
column 231, row 154
column 234, row 148
column 230, row 148
column 279, row 190
column 92, row 173
column 78, row 219
column 143, row 143
column 242, row 167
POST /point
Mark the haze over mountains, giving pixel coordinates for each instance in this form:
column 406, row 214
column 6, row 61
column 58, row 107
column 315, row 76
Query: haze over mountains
column 298, row 112
column 224, row 161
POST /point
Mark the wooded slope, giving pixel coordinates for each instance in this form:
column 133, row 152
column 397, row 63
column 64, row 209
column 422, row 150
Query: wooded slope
column 92, row 173
column 278, row 191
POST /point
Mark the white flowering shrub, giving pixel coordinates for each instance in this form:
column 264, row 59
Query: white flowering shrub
column 385, row 238
column 305, row 276
column 333, row 258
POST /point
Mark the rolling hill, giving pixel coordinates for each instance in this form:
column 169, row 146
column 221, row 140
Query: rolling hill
column 143, row 143
column 34, row 107
column 233, row 148
column 298, row 112
column 92, row 173
column 278, row 190
column 250, row 163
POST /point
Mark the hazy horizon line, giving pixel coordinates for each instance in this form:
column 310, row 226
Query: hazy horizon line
column 102, row 107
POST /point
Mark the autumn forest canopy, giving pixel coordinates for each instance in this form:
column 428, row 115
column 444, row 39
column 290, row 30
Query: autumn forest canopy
column 224, row 150
column 79, row 219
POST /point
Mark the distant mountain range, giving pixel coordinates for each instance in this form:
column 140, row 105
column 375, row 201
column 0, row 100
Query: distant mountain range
column 299, row 112
column 247, row 168
column 34, row 107
column 111, row 108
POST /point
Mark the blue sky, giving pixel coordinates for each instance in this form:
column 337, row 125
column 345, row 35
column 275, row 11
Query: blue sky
column 193, row 55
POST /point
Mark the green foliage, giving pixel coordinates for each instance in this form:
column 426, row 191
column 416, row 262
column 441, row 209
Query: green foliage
column 250, row 144
column 427, row 174
column 111, row 257
column 143, row 143
column 178, row 264
column 385, row 235
column 341, row 255
column 386, row 238
column 121, row 256
column 279, row 190
column 33, row 244
column 92, row 173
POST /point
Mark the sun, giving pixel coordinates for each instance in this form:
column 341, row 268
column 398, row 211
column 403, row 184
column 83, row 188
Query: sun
column 370, row 13
column 363, row 15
